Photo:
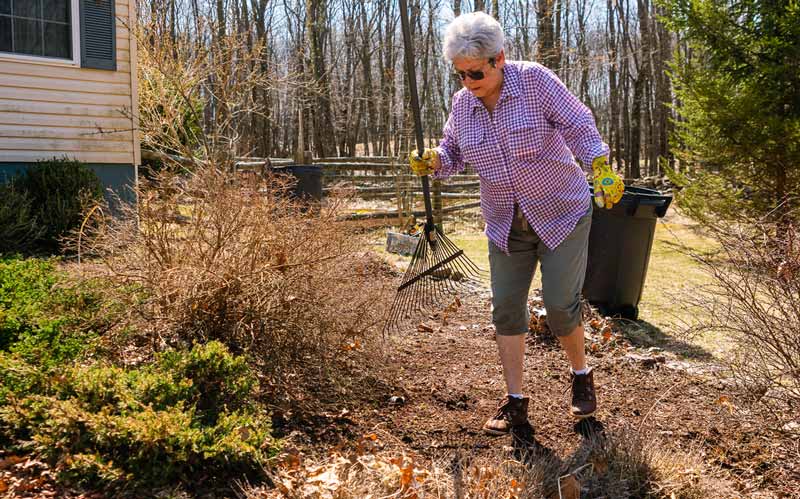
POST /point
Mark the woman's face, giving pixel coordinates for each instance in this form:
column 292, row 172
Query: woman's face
column 492, row 76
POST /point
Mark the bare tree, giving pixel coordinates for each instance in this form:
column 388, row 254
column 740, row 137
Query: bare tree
column 324, row 133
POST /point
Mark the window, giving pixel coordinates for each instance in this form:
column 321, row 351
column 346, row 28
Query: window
column 41, row 28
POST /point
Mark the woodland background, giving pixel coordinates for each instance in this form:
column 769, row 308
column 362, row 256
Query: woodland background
column 338, row 64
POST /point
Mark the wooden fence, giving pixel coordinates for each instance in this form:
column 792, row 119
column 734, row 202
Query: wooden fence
column 374, row 178
column 390, row 178
column 385, row 178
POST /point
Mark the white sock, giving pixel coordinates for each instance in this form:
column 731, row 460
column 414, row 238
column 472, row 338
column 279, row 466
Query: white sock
column 516, row 395
column 580, row 371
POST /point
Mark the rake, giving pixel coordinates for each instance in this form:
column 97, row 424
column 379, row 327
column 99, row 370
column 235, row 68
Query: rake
column 438, row 268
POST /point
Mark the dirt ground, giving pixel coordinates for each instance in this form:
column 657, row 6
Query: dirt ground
column 438, row 379
column 446, row 380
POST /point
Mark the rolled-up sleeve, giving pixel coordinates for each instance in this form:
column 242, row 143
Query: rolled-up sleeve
column 571, row 117
column 449, row 150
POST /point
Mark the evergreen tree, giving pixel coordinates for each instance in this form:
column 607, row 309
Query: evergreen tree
column 738, row 89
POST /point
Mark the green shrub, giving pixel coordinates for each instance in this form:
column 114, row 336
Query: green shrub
column 19, row 229
column 219, row 381
column 42, row 320
column 60, row 189
column 189, row 416
column 25, row 288
column 18, row 379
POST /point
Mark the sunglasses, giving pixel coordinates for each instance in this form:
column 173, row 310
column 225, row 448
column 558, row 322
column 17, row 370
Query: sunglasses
column 473, row 75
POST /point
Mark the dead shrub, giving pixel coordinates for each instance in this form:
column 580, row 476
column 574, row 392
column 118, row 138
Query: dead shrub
column 634, row 464
column 754, row 300
column 624, row 464
column 205, row 257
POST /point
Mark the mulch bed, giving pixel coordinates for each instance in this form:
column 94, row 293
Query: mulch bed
column 445, row 380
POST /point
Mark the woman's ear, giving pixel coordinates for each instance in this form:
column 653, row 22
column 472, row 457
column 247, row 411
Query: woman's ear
column 500, row 59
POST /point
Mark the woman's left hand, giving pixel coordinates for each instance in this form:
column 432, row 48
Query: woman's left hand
column 608, row 187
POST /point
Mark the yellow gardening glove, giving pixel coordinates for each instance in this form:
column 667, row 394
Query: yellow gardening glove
column 424, row 165
column 608, row 187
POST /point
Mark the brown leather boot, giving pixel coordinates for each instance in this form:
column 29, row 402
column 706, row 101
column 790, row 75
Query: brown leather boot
column 584, row 401
column 511, row 412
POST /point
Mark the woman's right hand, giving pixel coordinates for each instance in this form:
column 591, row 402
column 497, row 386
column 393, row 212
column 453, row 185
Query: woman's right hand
column 425, row 164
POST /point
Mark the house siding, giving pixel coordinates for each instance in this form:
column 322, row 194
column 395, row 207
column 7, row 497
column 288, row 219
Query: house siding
column 118, row 179
column 49, row 110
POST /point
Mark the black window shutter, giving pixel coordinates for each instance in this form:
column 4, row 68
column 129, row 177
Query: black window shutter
column 98, row 35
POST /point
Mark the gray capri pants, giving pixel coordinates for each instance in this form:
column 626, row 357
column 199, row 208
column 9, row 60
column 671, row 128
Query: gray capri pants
column 563, row 270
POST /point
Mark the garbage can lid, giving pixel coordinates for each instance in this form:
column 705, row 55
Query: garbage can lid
column 633, row 197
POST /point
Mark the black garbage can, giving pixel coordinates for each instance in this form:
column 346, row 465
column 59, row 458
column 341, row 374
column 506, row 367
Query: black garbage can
column 309, row 180
column 619, row 251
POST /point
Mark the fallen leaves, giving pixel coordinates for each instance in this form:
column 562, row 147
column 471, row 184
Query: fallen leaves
column 26, row 475
column 354, row 345
column 336, row 476
column 516, row 489
column 450, row 310
column 725, row 402
column 322, row 482
column 10, row 461
column 424, row 328
column 569, row 486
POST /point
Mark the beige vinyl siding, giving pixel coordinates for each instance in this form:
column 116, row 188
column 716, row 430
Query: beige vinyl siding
column 49, row 109
column 66, row 132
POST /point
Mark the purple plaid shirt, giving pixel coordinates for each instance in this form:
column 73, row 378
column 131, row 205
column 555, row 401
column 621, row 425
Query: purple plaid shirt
column 523, row 152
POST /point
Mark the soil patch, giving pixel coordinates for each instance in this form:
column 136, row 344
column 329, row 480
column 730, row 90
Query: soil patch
column 446, row 380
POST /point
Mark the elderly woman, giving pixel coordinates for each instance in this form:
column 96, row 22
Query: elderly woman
column 519, row 127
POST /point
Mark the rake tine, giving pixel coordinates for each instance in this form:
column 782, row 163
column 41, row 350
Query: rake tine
column 401, row 301
column 404, row 301
column 432, row 285
column 392, row 321
column 445, row 285
column 469, row 265
column 437, row 283
column 416, row 267
column 395, row 311
column 448, row 270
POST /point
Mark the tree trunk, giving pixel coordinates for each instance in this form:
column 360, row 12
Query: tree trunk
column 546, row 40
column 663, row 93
column 636, row 126
column 322, row 118
column 615, row 146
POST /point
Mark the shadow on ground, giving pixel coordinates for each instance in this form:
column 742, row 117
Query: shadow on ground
column 645, row 335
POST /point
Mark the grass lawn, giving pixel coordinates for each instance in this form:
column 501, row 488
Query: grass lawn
column 671, row 275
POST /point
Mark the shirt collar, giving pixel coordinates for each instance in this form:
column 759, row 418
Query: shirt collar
column 511, row 85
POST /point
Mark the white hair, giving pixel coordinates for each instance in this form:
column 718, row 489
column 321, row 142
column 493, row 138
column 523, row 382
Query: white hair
column 476, row 35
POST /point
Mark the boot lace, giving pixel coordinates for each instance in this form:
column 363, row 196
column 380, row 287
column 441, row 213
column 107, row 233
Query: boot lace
column 581, row 387
column 502, row 409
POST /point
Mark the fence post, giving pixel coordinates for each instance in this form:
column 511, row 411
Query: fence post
column 398, row 180
column 437, row 203
column 408, row 197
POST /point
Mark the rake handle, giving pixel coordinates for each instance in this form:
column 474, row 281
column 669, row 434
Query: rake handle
column 408, row 44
